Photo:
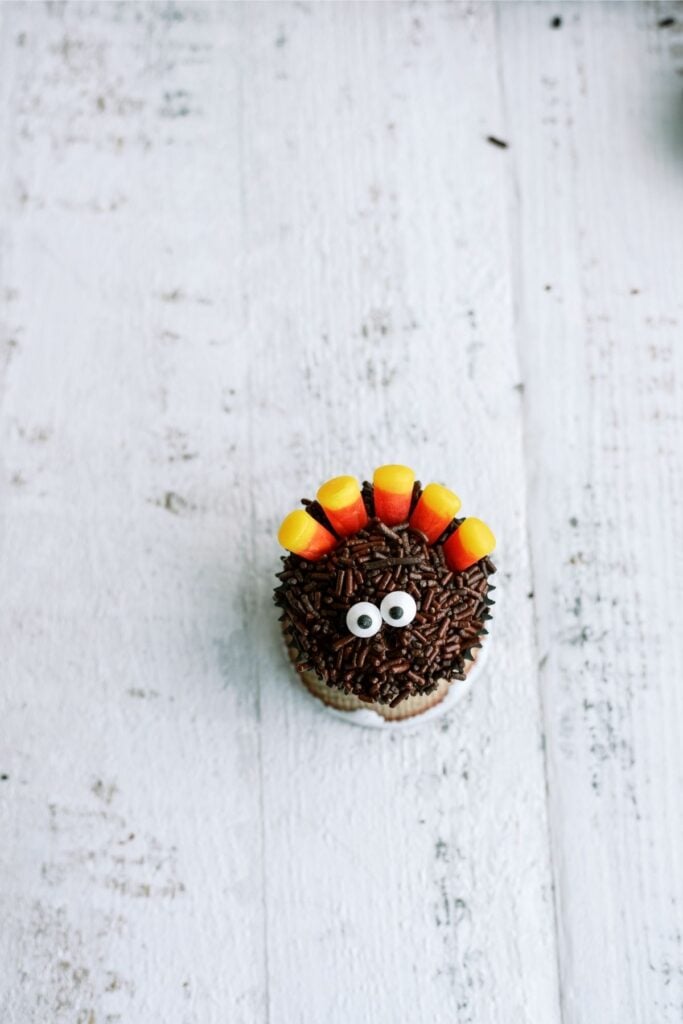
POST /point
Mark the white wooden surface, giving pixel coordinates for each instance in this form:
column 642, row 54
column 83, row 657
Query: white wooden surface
column 245, row 247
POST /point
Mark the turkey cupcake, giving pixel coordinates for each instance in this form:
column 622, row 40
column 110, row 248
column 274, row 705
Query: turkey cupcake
column 385, row 596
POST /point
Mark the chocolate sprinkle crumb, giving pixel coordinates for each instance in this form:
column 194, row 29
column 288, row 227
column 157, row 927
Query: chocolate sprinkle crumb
column 395, row 663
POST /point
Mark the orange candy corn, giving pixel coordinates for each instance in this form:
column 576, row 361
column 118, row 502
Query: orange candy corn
column 434, row 511
column 470, row 542
column 343, row 504
column 304, row 536
column 393, row 493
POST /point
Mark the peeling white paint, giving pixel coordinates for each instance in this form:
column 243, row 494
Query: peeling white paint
column 246, row 247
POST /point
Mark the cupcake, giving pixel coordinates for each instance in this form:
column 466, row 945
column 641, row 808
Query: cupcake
column 384, row 594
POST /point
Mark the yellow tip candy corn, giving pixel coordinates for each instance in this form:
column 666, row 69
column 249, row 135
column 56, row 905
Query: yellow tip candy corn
column 470, row 542
column 341, row 499
column 304, row 536
column 393, row 491
column 434, row 511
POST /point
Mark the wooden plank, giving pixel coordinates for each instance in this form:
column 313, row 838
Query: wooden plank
column 407, row 877
column 132, row 882
column 247, row 247
column 593, row 117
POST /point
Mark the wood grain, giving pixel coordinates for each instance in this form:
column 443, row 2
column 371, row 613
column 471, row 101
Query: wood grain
column 250, row 246
column 594, row 120
column 411, row 875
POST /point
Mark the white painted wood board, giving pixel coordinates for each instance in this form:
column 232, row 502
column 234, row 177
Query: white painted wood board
column 247, row 247
column 596, row 206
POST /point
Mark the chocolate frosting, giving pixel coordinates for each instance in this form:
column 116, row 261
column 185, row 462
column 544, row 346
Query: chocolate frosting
column 452, row 609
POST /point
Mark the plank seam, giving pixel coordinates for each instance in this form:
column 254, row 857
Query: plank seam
column 252, row 560
column 512, row 206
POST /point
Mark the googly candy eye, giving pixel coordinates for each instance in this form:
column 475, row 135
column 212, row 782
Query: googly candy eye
column 363, row 619
column 398, row 609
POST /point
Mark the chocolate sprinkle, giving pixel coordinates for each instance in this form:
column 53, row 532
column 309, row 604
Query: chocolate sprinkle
column 395, row 663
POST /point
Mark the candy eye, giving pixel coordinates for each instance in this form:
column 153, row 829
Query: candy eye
column 363, row 619
column 398, row 609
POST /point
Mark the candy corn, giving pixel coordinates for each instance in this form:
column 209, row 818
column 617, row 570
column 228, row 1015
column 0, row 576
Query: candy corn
column 470, row 542
column 393, row 493
column 434, row 511
column 304, row 536
column 343, row 505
